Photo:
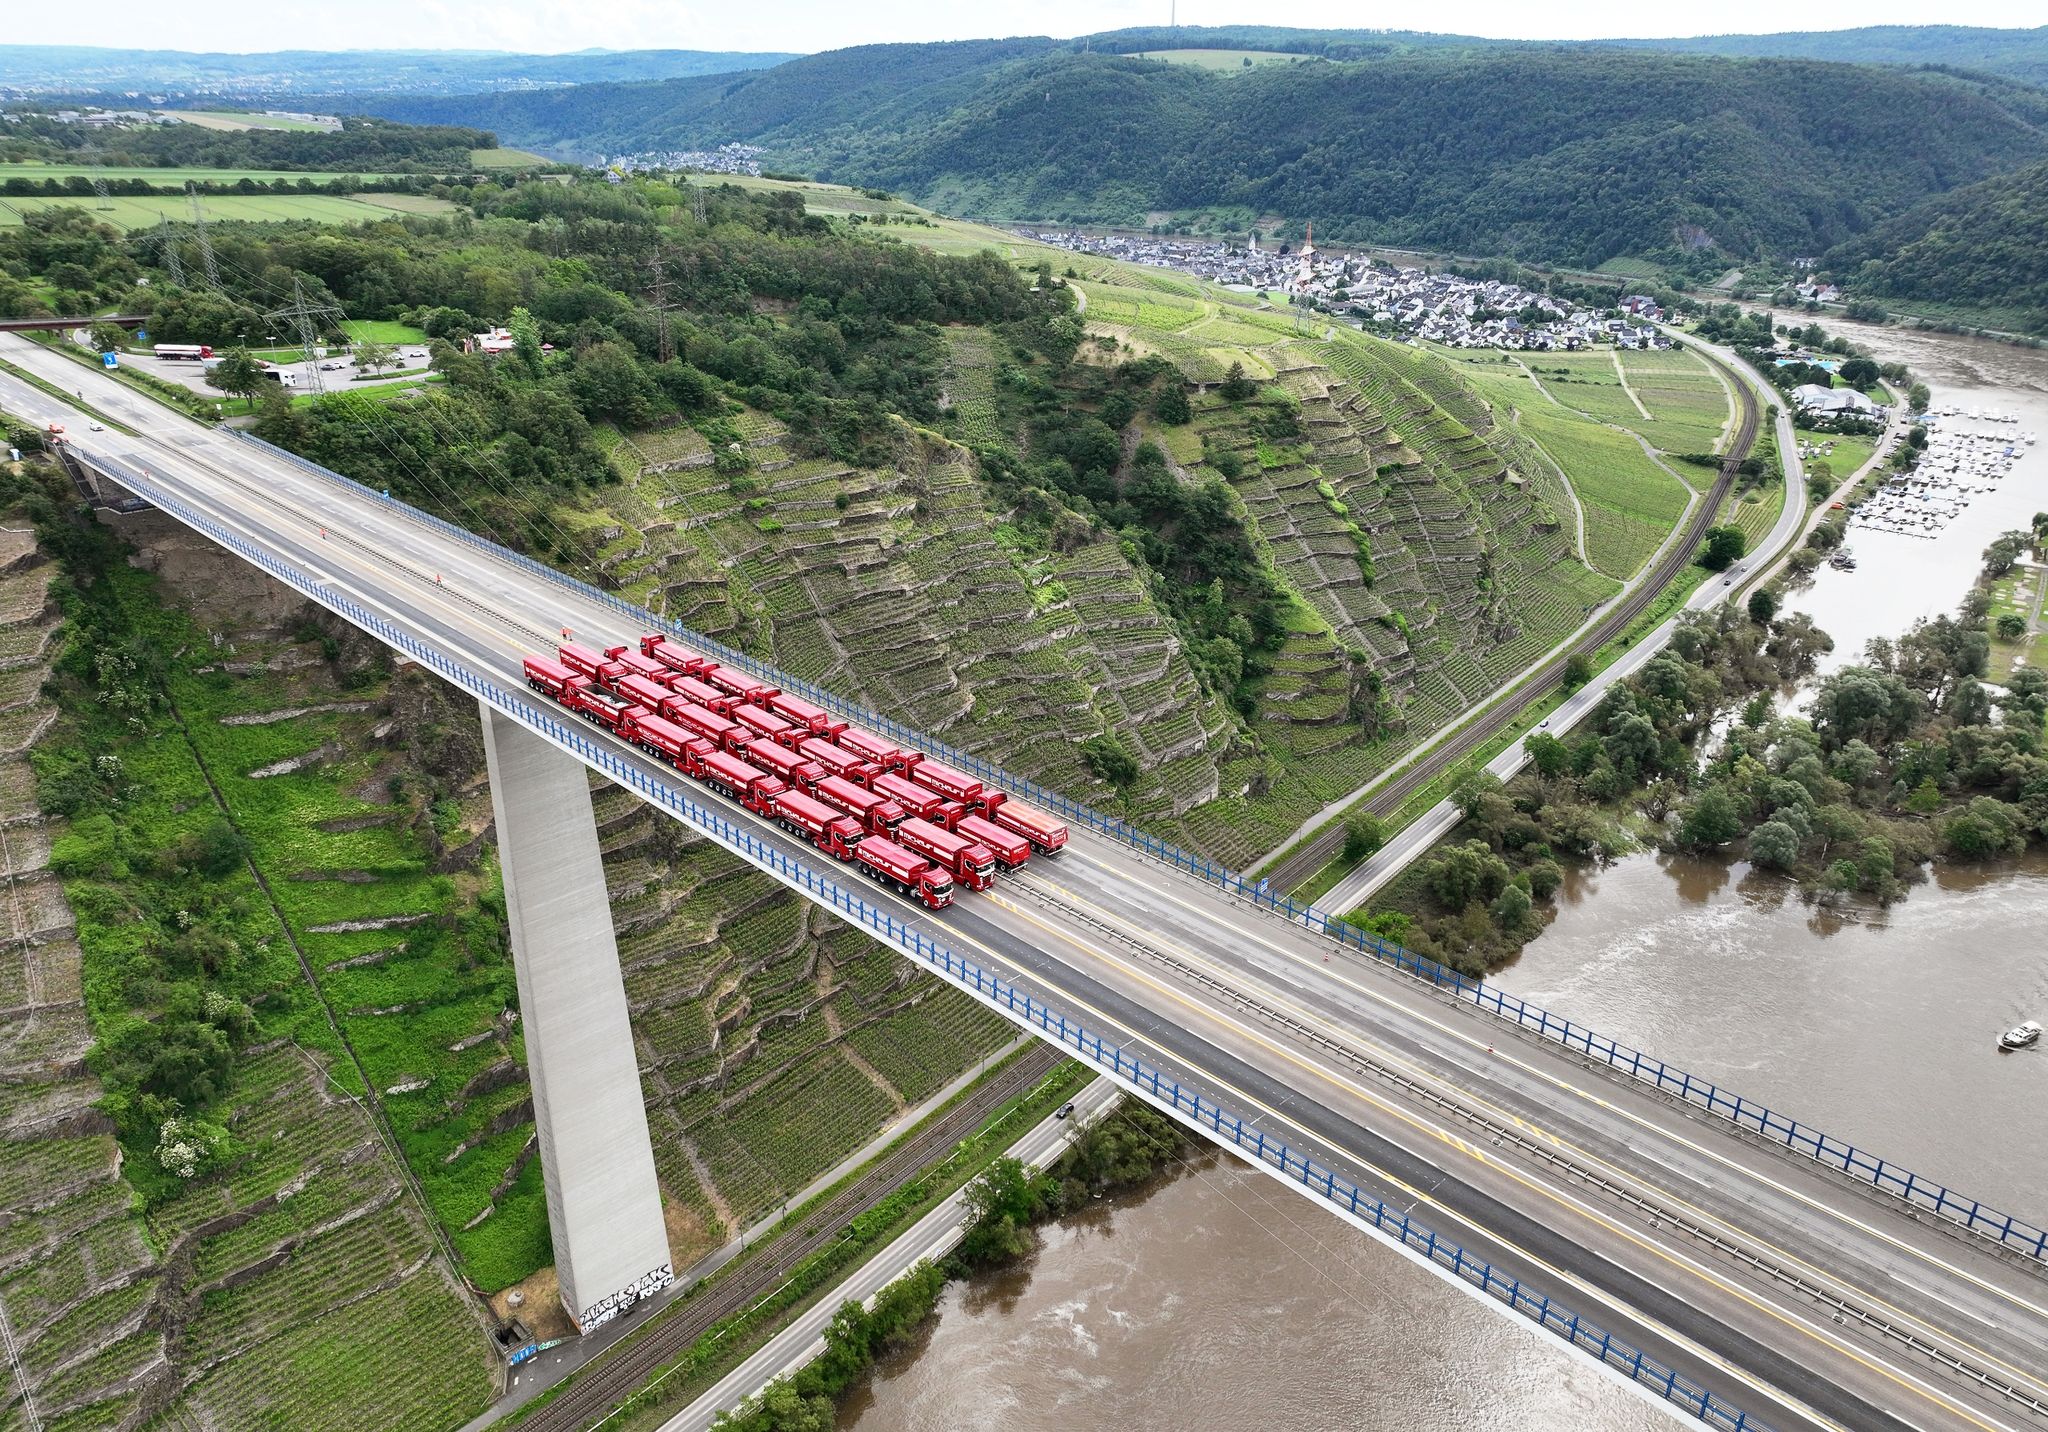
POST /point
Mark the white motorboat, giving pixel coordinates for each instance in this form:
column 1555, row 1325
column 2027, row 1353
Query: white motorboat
column 2020, row 1035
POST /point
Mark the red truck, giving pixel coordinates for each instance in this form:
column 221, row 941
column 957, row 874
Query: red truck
column 914, row 798
column 1046, row 835
column 891, row 864
column 880, row 754
column 756, row 790
column 952, row 784
column 824, row 827
column 606, row 708
column 709, row 697
column 766, row 723
column 727, row 735
column 877, row 816
column 585, row 662
column 837, row 760
column 733, row 681
column 549, row 677
column 781, row 761
column 968, row 861
column 815, row 720
column 640, row 691
column 674, row 657
column 637, row 665
column 662, row 739
column 1010, row 849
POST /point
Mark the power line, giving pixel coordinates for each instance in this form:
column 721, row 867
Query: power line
column 206, row 257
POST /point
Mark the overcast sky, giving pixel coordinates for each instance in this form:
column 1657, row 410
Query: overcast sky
column 802, row 25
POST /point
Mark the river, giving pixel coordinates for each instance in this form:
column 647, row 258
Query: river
column 1219, row 1300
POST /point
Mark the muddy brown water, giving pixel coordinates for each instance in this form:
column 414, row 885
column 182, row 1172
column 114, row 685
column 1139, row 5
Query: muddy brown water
column 1219, row 1300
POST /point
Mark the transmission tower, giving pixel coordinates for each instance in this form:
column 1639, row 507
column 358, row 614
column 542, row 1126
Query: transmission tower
column 98, row 176
column 174, row 263
column 206, row 257
column 659, row 289
column 697, row 201
column 308, row 320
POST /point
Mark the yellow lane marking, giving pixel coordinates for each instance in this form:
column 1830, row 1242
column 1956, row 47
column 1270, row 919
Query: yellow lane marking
column 1336, row 974
column 1457, row 1093
column 1594, row 1216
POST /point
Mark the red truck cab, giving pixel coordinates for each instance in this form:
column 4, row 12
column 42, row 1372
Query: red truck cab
column 968, row 861
column 673, row 656
column 892, row 865
column 1010, row 849
column 824, row 827
column 796, row 769
column 756, row 790
column 549, row 677
column 876, row 814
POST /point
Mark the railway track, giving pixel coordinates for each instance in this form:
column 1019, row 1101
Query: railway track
column 1322, row 848
column 619, row 1373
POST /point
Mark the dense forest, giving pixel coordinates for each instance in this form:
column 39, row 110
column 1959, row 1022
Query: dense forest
column 361, row 146
column 1557, row 154
column 1986, row 244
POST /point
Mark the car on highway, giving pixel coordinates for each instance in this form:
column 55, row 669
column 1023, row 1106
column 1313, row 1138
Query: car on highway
column 330, row 367
column 1064, row 1110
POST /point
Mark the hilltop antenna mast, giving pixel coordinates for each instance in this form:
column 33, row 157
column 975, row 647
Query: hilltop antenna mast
column 206, row 258
column 307, row 319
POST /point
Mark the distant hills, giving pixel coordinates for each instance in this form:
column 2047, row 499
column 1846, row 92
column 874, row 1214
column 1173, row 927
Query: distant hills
column 1572, row 154
column 310, row 74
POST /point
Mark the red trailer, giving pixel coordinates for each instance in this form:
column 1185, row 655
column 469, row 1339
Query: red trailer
column 766, row 723
column 549, row 677
column 756, row 790
column 1011, row 850
column 907, row 793
column 606, row 708
column 780, row 760
column 968, row 861
column 585, row 662
column 814, row 719
column 874, row 750
column 951, row 784
column 726, row 735
column 637, row 665
column 640, row 691
column 660, row 738
column 837, row 760
column 734, row 682
column 673, row 656
column 876, row 815
column 1045, row 834
column 891, row 864
column 824, row 827
column 709, row 697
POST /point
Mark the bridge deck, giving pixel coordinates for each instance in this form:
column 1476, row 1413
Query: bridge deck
column 1784, row 1288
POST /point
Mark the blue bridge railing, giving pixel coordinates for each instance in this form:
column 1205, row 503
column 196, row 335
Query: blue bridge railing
column 1703, row 1094
column 1190, row 1106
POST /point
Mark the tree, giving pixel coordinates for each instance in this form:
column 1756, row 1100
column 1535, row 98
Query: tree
column 1364, row 834
column 1172, row 407
column 108, row 337
column 374, row 356
column 2011, row 626
column 1860, row 372
column 1986, row 830
column 1723, row 547
column 2005, row 550
column 1549, row 755
column 1774, row 845
column 1710, row 820
column 1763, row 605
column 525, row 339
column 1108, row 759
column 1511, row 909
column 237, row 374
column 1578, row 670
column 1465, row 873
column 1236, row 386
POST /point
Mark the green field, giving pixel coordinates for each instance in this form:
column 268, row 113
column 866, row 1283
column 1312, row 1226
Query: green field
column 374, row 330
column 144, row 213
column 38, row 171
column 1222, row 59
column 506, row 159
column 1631, row 503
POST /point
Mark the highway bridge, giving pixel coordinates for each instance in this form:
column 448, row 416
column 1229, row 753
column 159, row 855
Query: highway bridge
column 1736, row 1266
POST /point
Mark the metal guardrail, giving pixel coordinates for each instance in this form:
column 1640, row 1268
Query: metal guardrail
column 1702, row 1094
column 1022, row 1008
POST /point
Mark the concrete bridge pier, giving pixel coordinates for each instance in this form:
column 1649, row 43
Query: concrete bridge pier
column 604, row 1204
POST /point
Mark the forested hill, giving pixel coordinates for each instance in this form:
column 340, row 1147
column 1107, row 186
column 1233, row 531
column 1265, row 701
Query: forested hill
column 2016, row 54
column 1562, row 154
column 1984, row 245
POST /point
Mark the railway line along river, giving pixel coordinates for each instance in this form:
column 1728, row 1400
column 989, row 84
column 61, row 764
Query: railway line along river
column 1219, row 1300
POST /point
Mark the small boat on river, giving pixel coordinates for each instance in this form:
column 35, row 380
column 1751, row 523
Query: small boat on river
column 2020, row 1036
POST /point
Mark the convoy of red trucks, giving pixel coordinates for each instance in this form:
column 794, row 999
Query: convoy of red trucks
column 907, row 820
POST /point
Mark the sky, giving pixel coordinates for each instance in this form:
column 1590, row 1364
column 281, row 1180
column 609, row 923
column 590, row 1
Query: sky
column 548, row 26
